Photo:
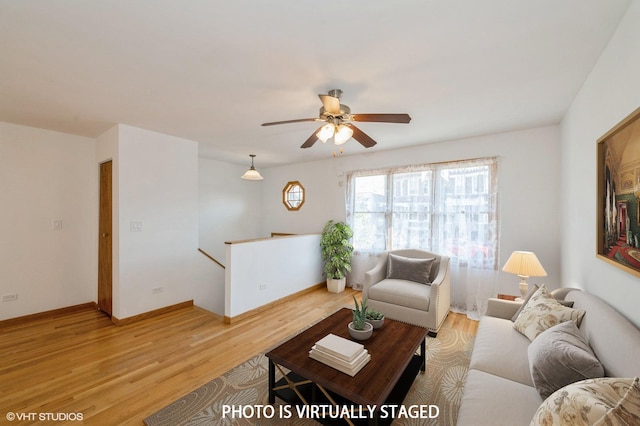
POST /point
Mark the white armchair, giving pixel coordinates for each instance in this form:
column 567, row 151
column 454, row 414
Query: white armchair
column 407, row 287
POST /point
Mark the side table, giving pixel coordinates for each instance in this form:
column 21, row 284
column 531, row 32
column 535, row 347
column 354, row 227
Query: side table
column 508, row 297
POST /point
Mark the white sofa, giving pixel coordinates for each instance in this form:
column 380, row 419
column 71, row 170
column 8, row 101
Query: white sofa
column 499, row 389
column 423, row 304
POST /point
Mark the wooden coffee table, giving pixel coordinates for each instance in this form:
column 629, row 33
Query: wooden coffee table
column 385, row 380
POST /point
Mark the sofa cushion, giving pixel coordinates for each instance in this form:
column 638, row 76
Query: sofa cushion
column 401, row 292
column 560, row 356
column 602, row 401
column 489, row 400
column 543, row 312
column 501, row 350
column 409, row 268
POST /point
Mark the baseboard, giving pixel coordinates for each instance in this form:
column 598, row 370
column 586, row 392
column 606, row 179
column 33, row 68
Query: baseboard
column 252, row 312
column 48, row 314
column 150, row 314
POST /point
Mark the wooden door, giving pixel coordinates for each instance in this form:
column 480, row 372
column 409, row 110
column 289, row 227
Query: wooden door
column 105, row 254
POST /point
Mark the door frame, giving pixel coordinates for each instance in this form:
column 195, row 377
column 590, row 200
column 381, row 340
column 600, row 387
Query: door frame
column 105, row 238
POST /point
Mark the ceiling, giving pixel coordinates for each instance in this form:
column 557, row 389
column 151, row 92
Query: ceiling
column 213, row 71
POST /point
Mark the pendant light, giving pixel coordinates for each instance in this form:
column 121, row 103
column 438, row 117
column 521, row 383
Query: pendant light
column 252, row 173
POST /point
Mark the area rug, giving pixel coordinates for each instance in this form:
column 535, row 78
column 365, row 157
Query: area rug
column 245, row 386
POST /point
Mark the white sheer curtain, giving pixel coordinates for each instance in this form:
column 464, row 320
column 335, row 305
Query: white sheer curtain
column 366, row 197
column 448, row 208
column 362, row 261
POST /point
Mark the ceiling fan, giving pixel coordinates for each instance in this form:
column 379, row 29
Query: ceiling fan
column 339, row 122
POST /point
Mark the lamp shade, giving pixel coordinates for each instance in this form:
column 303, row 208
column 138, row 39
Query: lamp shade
column 326, row 132
column 524, row 264
column 343, row 134
column 252, row 173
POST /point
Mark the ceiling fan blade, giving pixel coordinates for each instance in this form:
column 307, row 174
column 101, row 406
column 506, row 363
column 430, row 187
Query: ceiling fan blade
column 331, row 104
column 299, row 120
column 361, row 136
column 312, row 139
column 382, row 118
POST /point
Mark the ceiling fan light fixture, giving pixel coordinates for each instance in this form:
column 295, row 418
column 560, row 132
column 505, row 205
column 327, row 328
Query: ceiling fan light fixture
column 252, row 173
column 339, row 126
column 343, row 134
column 326, row 132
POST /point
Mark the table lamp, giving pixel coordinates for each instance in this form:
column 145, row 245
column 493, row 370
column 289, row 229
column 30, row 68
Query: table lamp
column 524, row 264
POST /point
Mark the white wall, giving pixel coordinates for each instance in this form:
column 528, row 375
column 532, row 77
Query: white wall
column 158, row 187
column 229, row 207
column 260, row 272
column 529, row 181
column 46, row 176
column 159, row 181
column 611, row 92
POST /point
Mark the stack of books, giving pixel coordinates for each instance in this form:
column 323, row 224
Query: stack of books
column 342, row 354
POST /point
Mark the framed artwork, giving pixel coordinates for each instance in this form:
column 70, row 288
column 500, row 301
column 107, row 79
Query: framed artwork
column 618, row 206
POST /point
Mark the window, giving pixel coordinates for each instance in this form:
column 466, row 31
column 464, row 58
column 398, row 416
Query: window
column 448, row 208
column 370, row 207
column 293, row 195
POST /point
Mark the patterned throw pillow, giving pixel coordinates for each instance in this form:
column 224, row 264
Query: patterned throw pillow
column 597, row 402
column 543, row 312
column 532, row 290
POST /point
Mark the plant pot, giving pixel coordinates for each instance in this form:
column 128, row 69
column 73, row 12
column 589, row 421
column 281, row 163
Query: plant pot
column 336, row 286
column 361, row 334
column 376, row 323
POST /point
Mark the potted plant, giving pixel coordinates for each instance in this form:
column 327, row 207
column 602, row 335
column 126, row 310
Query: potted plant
column 336, row 251
column 359, row 328
column 375, row 318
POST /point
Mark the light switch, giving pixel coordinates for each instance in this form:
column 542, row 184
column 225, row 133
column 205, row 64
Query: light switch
column 136, row 225
column 57, row 224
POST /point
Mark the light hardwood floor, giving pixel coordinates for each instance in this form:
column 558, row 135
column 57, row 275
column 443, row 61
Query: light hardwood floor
column 82, row 363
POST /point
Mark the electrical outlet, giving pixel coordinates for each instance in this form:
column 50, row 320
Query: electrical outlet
column 135, row 225
column 156, row 290
column 10, row 297
column 263, row 287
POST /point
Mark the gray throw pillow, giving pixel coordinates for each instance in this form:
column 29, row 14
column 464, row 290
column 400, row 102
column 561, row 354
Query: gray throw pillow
column 567, row 303
column 560, row 356
column 409, row 268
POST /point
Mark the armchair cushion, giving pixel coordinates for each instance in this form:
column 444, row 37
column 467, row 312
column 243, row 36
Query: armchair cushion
column 408, row 268
column 402, row 293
